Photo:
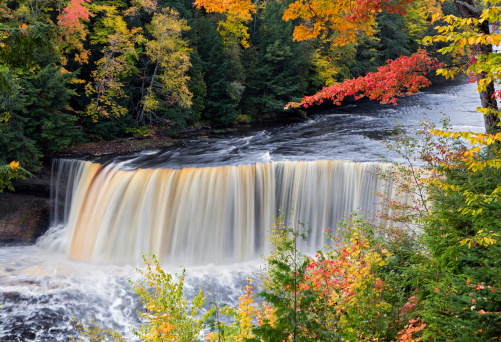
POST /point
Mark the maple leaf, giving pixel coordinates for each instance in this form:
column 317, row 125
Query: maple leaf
column 73, row 13
column 400, row 77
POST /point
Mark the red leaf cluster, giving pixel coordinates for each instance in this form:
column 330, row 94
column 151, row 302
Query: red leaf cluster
column 402, row 76
column 363, row 10
column 70, row 18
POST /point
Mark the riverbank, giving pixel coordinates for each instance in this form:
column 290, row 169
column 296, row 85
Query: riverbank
column 157, row 142
column 25, row 213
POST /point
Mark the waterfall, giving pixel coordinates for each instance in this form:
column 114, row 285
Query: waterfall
column 199, row 215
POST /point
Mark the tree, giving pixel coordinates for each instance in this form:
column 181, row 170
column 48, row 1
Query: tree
column 282, row 278
column 73, row 30
column 472, row 29
column 119, row 53
column 219, row 107
column 169, row 55
column 400, row 77
column 38, row 118
column 345, row 18
column 281, row 69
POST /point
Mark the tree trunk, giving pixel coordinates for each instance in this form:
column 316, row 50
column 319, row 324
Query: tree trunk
column 467, row 9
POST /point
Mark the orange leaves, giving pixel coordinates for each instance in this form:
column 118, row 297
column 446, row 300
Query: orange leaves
column 318, row 17
column 246, row 312
column 345, row 282
column 469, row 156
column 403, row 76
column 14, row 166
column 407, row 334
column 242, row 9
column 343, row 16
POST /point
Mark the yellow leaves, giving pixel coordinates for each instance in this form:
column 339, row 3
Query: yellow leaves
column 496, row 191
column 4, row 117
column 14, row 166
column 234, row 31
column 482, row 139
column 168, row 316
column 482, row 238
column 435, row 17
column 418, row 13
column 246, row 313
column 238, row 12
column 490, row 14
column 447, row 73
column 169, row 52
column 325, row 61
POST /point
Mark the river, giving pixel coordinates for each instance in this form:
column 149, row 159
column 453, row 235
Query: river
column 42, row 287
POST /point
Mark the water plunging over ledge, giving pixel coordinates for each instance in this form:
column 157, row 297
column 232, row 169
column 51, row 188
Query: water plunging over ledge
column 41, row 288
column 205, row 215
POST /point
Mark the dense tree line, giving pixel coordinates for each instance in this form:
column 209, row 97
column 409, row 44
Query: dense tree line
column 76, row 70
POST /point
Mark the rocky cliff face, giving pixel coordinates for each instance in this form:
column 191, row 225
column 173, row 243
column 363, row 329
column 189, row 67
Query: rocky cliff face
column 25, row 213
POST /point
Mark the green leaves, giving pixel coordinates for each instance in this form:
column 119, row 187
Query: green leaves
column 170, row 55
column 168, row 315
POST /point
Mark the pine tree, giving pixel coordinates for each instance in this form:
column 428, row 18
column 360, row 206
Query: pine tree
column 282, row 68
column 219, row 107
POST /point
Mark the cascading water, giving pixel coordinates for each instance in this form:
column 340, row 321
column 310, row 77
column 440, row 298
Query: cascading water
column 200, row 215
column 41, row 288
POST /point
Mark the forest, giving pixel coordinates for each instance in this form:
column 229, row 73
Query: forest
column 75, row 71
column 81, row 70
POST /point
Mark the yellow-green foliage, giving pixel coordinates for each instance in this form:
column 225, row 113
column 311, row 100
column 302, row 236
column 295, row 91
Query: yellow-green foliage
column 170, row 53
column 117, row 62
column 168, row 315
column 91, row 332
column 10, row 172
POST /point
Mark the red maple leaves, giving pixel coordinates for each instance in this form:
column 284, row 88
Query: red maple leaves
column 364, row 10
column 71, row 15
column 402, row 76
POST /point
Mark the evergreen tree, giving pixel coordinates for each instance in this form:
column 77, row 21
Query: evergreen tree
column 463, row 302
column 219, row 107
column 38, row 117
column 393, row 39
column 281, row 73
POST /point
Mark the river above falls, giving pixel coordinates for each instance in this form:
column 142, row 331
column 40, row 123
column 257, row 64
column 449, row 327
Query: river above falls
column 41, row 290
column 352, row 132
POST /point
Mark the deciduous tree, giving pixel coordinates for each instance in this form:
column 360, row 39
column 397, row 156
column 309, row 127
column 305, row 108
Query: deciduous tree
column 169, row 53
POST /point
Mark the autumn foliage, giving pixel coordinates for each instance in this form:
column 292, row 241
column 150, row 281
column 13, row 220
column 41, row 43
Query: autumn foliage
column 345, row 18
column 242, row 9
column 74, row 14
column 403, row 76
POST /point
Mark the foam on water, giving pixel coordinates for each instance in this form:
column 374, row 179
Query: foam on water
column 41, row 289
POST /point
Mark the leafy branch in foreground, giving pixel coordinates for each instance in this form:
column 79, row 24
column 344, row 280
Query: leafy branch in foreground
column 11, row 172
column 402, row 76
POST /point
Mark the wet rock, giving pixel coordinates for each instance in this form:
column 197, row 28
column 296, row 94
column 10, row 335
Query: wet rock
column 23, row 218
column 24, row 214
